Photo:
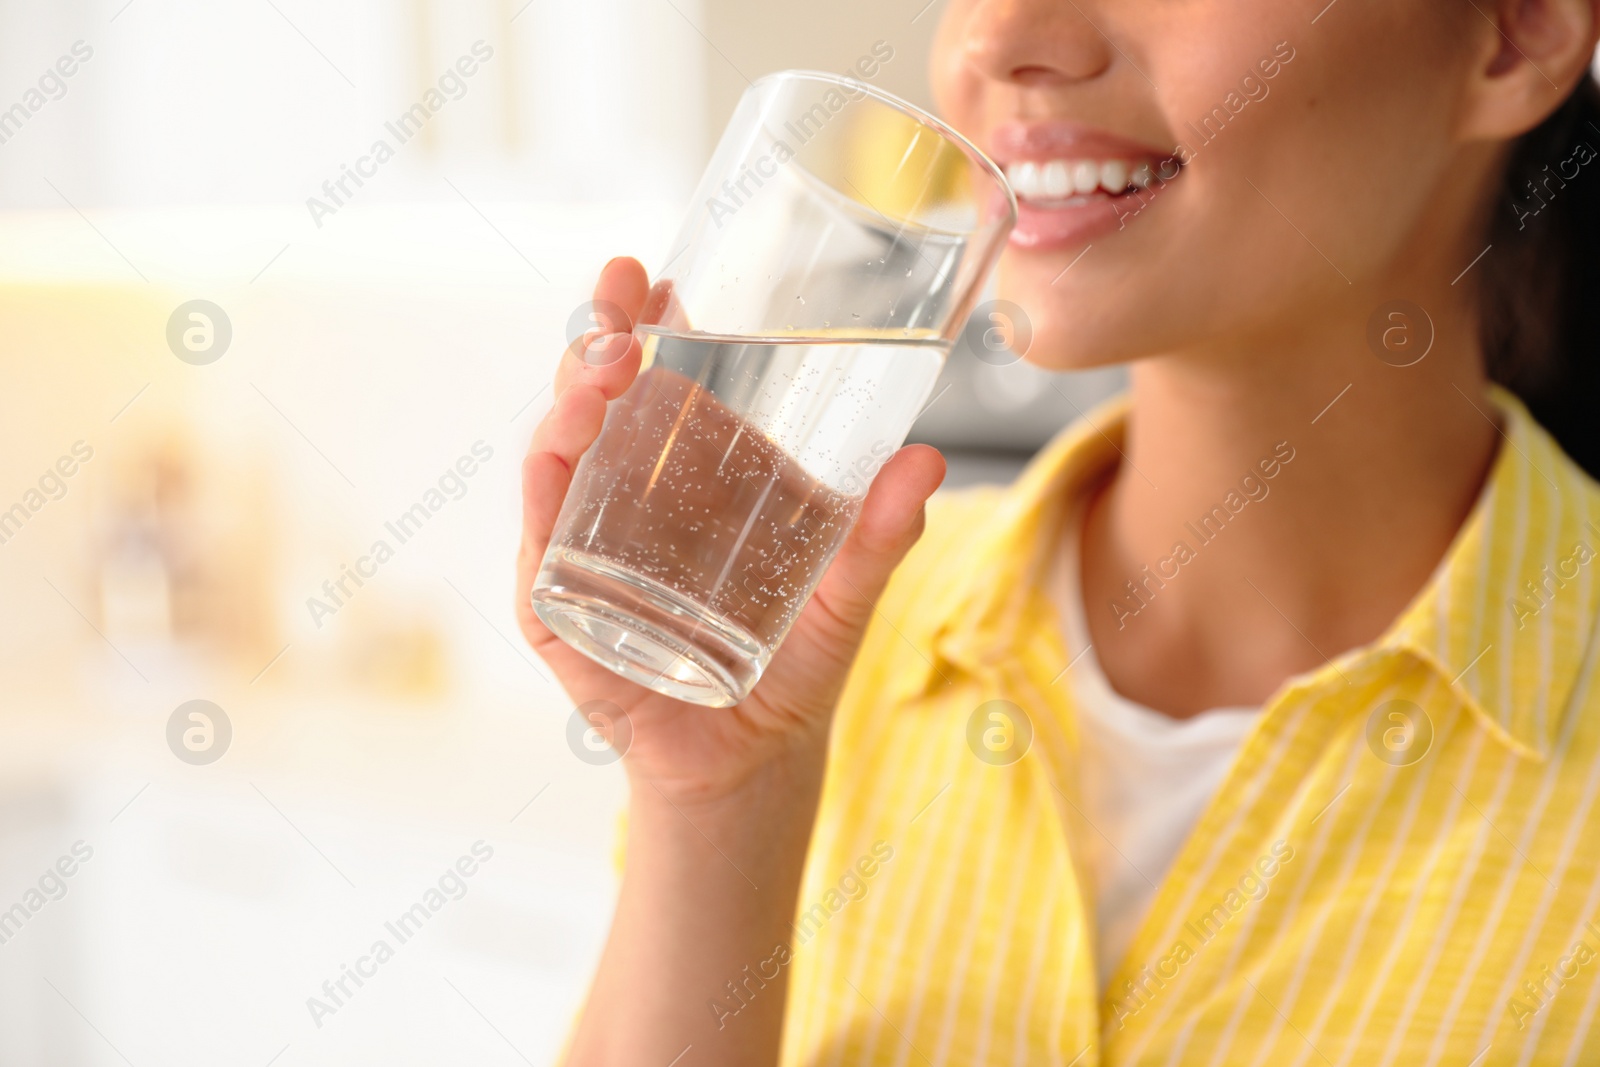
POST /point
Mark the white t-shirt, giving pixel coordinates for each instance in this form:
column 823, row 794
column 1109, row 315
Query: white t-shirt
column 1144, row 777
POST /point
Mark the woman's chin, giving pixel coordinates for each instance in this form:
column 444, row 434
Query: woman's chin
column 1057, row 348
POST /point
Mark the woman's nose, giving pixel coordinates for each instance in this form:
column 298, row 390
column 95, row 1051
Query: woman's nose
column 1035, row 43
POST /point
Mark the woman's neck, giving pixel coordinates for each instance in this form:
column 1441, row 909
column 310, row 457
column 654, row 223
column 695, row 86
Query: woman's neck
column 1288, row 498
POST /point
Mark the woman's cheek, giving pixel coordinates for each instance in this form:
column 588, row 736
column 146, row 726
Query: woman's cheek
column 957, row 89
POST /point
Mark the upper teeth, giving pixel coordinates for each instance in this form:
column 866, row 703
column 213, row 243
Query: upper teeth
column 1059, row 178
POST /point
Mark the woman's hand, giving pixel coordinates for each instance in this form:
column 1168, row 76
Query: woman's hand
column 723, row 799
column 695, row 755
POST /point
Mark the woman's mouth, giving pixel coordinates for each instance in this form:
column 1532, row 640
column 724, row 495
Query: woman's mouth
column 1075, row 183
column 1060, row 180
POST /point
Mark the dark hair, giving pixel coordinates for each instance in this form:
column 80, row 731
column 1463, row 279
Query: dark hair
column 1540, row 284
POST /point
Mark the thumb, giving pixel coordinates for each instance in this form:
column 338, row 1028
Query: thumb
column 890, row 522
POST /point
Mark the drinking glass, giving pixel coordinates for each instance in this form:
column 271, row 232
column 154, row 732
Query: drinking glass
column 831, row 256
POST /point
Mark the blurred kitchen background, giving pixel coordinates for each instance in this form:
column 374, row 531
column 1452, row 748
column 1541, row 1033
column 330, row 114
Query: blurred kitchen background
column 164, row 521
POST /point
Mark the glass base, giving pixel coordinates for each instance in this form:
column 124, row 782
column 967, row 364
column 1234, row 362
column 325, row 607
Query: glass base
column 645, row 632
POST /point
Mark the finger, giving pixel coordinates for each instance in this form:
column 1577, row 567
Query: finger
column 582, row 387
column 608, row 362
column 561, row 438
column 545, row 479
column 596, row 369
column 624, row 282
column 599, row 356
column 567, row 430
column 664, row 309
column 890, row 522
column 571, row 424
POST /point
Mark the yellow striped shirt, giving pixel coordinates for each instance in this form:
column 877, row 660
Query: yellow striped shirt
column 1400, row 867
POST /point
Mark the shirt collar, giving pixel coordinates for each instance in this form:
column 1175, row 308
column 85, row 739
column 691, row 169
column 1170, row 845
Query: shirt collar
column 977, row 622
column 1505, row 620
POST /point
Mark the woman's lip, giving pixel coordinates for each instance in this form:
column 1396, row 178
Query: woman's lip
column 1075, row 222
column 1064, row 139
column 1051, row 225
column 1070, row 224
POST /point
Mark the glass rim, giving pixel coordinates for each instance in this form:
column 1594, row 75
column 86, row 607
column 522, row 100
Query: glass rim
column 905, row 107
